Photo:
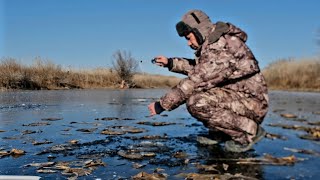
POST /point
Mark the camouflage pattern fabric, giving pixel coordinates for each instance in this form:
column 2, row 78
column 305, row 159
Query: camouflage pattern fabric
column 224, row 88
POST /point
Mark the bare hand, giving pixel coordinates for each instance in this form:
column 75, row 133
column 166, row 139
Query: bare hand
column 161, row 61
column 152, row 109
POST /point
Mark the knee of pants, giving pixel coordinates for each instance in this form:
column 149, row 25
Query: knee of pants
column 191, row 103
column 197, row 106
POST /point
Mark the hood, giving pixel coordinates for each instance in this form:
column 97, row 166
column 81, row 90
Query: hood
column 197, row 22
column 235, row 31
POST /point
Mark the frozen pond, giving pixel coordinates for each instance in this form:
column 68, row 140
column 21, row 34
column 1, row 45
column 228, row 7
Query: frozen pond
column 107, row 134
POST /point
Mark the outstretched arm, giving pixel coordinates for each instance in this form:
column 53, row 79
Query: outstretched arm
column 177, row 65
column 181, row 65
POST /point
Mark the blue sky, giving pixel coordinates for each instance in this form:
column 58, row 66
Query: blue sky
column 86, row 33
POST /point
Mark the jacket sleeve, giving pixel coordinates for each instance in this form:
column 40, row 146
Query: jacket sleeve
column 181, row 65
column 223, row 61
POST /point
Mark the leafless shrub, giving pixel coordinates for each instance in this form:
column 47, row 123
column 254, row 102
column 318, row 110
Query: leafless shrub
column 125, row 67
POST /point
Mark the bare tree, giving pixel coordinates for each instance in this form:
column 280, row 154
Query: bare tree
column 125, row 67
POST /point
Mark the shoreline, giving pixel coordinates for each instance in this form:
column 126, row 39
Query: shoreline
column 284, row 74
column 306, row 90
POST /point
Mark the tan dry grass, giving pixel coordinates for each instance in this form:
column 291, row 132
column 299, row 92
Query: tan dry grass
column 292, row 74
column 155, row 81
column 44, row 74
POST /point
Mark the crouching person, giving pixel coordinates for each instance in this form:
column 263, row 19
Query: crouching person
column 224, row 87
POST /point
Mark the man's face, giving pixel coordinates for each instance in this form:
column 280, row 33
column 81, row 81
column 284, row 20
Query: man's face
column 192, row 41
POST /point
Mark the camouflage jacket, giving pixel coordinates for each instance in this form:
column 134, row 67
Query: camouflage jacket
column 226, row 63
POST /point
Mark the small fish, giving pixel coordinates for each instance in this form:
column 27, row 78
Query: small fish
column 154, row 60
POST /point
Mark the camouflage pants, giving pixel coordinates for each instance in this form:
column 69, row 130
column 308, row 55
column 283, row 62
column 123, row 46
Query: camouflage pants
column 227, row 111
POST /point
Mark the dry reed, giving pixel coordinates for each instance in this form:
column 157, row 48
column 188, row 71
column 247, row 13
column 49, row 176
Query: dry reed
column 290, row 74
column 155, row 81
column 44, row 74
